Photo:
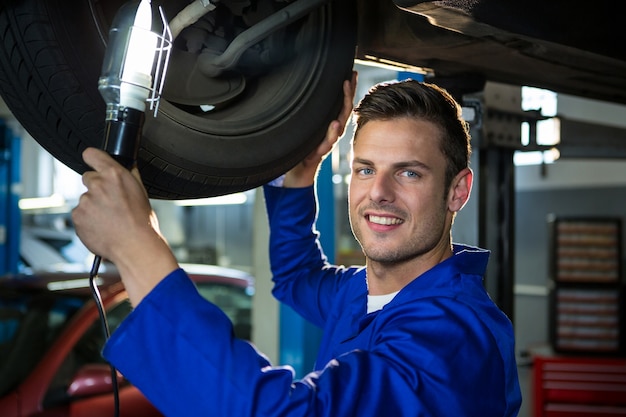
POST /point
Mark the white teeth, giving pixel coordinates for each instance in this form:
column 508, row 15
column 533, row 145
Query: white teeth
column 384, row 220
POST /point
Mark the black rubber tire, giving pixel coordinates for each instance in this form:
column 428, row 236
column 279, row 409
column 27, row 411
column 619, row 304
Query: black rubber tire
column 50, row 60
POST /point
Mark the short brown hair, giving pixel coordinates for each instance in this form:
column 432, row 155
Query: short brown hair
column 410, row 98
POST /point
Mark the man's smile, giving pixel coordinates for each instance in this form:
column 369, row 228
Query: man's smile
column 383, row 220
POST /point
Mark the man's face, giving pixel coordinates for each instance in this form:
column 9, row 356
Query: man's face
column 398, row 204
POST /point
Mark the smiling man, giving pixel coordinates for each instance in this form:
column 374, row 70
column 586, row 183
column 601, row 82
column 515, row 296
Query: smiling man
column 413, row 333
column 401, row 207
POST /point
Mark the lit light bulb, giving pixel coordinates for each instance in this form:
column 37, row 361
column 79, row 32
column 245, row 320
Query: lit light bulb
column 136, row 78
column 133, row 72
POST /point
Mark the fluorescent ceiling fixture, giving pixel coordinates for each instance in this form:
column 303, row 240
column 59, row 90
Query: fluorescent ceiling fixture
column 36, row 203
column 225, row 200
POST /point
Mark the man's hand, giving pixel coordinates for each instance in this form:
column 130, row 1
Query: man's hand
column 303, row 174
column 114, row 219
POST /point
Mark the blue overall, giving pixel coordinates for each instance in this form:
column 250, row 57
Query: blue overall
column 440, row 348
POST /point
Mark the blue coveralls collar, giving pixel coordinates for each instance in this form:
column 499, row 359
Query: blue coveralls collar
column 466, row 259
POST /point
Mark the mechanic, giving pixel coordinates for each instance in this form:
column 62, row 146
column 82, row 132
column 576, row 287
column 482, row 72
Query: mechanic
column 413, row 333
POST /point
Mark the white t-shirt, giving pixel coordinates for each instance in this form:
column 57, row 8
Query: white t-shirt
column 377, row 302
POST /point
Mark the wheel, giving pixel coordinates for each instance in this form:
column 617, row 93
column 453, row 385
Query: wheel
column 213, row 135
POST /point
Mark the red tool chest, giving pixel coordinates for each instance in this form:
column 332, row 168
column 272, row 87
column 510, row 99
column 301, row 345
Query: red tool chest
column 569, row 386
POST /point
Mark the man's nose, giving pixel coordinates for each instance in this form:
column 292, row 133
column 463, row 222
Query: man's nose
column 382, row 189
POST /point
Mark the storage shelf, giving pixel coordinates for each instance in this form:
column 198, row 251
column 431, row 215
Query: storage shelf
column 586, row 295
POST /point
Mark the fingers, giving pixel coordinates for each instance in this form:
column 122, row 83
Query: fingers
column 333, row 133
column 115, row 204
column 349, row 90
column 100, row 161
column 337, row 127
column 304, row 173
column 114, row 219
column 97, row 159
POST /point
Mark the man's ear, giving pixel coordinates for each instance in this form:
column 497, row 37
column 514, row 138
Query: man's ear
column 460, row 190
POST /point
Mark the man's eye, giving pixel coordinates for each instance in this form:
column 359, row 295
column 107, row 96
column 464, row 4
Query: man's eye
column 365, row 171
column 411, row 174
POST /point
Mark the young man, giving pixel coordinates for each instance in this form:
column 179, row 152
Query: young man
column 413, row 333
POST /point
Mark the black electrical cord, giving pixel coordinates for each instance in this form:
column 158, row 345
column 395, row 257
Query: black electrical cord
column 121, row 141
column 105, row 327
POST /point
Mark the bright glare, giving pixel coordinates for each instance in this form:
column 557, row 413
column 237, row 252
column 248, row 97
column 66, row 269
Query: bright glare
column 525, row 134
column 536, row 157
column 139, row 59
column 142, row 44
column 539, row 99
column 37, row 203
column 225, row 200
column 71, row 284
column 549, row 131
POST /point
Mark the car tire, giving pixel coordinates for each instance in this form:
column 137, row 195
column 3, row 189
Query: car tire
column 50, row 60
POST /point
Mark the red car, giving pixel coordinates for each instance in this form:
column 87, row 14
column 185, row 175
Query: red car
column 51, row 338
